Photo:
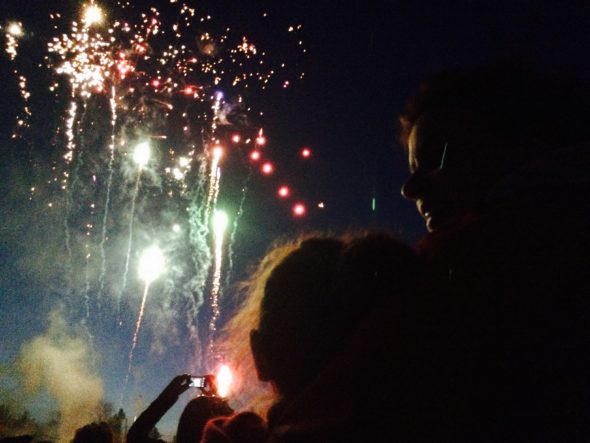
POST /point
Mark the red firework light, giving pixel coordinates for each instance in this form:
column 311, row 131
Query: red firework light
column 268, row 168
column 284, row 191
column 299, row 210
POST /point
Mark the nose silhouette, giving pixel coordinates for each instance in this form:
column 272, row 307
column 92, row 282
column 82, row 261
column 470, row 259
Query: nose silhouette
column 411, row 188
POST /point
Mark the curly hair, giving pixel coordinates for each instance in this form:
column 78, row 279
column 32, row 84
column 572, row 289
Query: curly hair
column 307, row 296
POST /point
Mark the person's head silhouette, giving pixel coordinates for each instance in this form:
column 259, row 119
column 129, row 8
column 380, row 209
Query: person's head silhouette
column 305, row 300
column 467, row 130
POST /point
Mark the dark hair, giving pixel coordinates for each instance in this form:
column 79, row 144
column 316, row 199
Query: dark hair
column 94, row 433
column 513, row 102
column 195, row 415
column 314, row 298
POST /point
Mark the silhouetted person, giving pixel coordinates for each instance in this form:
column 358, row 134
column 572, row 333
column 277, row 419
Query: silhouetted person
column 491, row 344
column 478, row 138
column 303, row 303
column 192, row 420
column 94, row 433
column 499, row 161
column 196, row 414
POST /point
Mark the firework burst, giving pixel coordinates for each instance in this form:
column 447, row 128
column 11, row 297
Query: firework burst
column 154, row 102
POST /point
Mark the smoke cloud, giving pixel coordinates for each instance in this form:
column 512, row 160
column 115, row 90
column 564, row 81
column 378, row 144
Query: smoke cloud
column 58, row 363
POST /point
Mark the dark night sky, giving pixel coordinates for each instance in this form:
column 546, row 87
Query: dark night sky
column 365, row 59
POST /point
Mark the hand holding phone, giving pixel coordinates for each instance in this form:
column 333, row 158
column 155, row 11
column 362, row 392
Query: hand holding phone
column 198, row 381
column 206, row 383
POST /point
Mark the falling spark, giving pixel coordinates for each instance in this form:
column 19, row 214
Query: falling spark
column 71, row 144
column 13, row 33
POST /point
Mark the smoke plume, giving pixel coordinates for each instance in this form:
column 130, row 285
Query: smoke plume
column 58, row 363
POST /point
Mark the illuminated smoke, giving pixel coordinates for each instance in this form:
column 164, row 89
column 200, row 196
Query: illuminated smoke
column 58, row 363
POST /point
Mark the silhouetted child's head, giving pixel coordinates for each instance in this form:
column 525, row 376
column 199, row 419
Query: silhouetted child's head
column 195, row 415
column 94, row 433
column 306, row 298
column 296, row 326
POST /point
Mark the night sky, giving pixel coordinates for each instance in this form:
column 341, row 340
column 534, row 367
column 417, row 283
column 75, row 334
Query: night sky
column 363, row 60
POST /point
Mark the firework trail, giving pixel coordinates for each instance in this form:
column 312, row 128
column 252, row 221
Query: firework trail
column 87, row 281
column 214, row 177
column 150, row 267
column 71, row 186
column 130, row 231
column 68, row 157
column 198, row 238
column 220, row 223
column 23, row 120
column 103, row 268
column 135, row 334
column 219, row 226
column 14, row 31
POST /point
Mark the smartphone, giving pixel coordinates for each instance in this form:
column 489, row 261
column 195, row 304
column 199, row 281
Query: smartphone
column 198, row 382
